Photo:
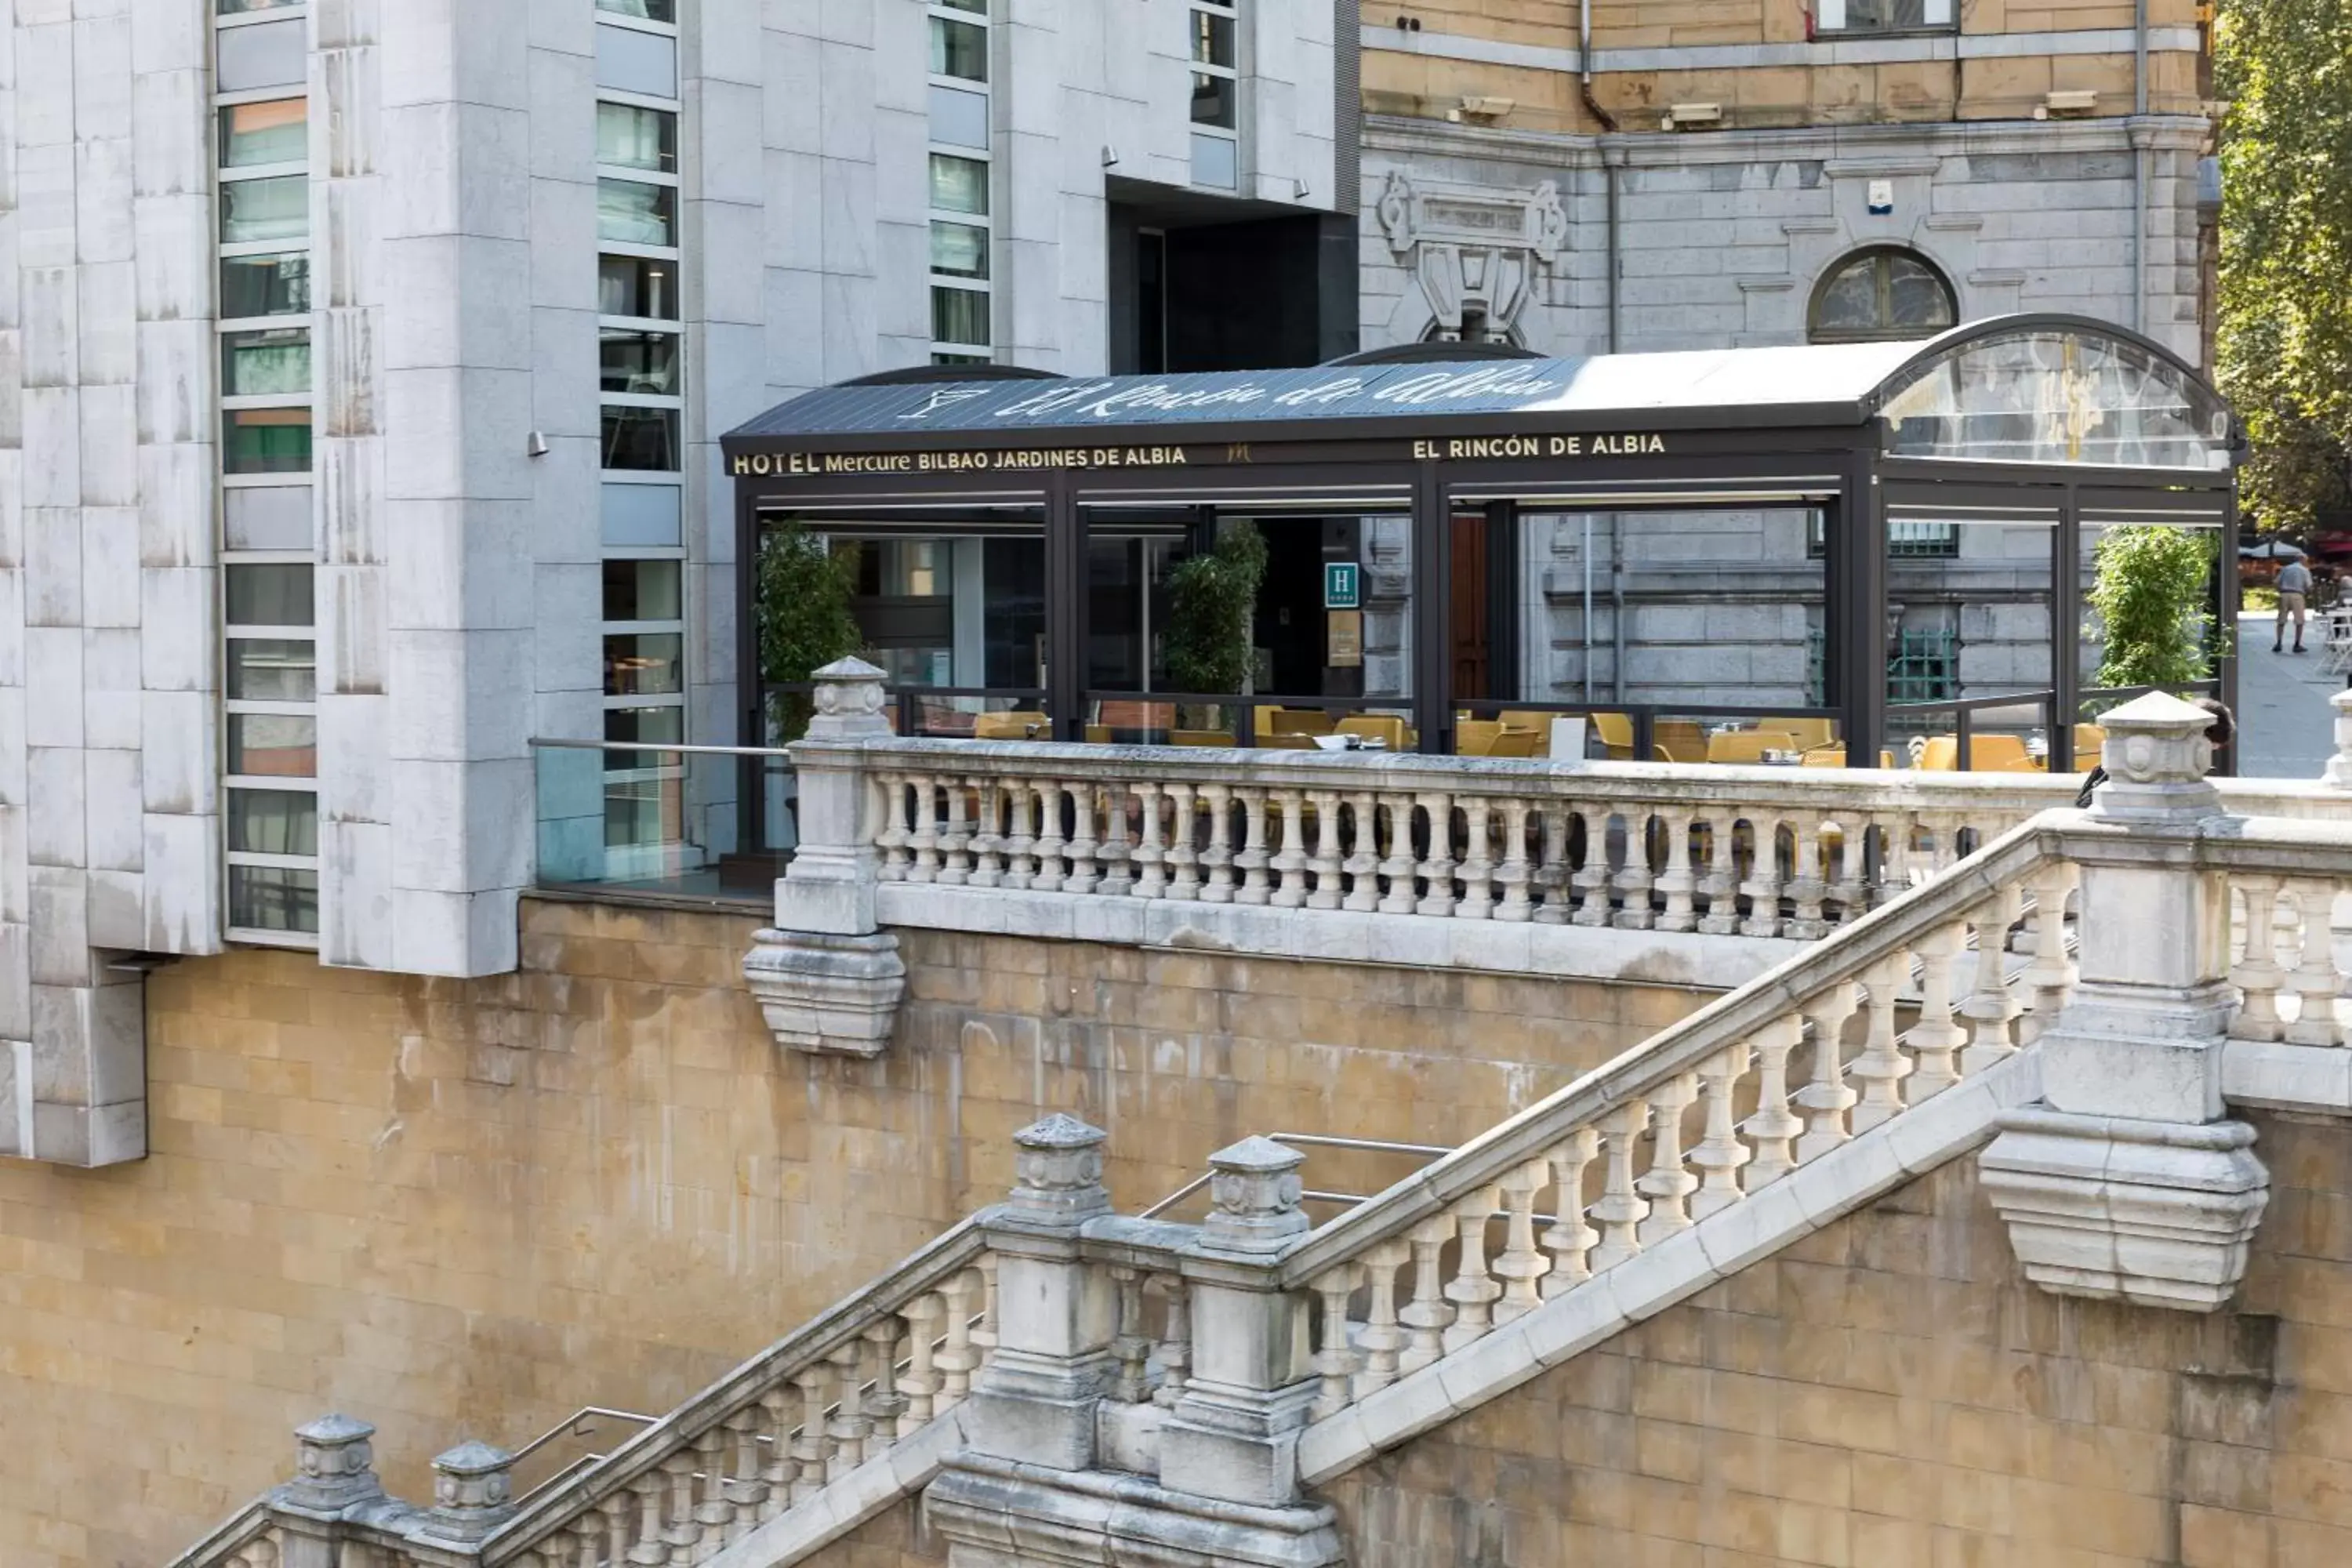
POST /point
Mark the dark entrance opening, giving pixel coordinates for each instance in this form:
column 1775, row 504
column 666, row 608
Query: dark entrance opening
column 1210, row 283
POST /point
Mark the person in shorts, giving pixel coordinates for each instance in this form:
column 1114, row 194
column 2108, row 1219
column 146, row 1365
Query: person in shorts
column 2293, row 590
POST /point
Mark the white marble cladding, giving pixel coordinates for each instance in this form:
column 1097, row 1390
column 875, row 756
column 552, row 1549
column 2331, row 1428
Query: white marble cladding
column 108, row 797
column 1724, row 234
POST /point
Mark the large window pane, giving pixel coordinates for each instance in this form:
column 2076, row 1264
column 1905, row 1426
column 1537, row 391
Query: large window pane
column 271, row 54
column 276, row 131
column 949, row 611
column 642, row 590
column 1212, row 39
column 266, row 441
column 273, row 669
column 273, row 745
column 959, row 249
column 959, row 49
column 639, row 362
column 637, row 138
column 641, row 438
column 642, row 10
column 635, row 286
column 641, row 515
column 272, row 285
column 270, row 593
column 628, row 60
column 258, row 364
column 643, row 663
column 1212, row 100
column 273, row 898
column 636, row 214
column 959, row 184
column 273, row 821
column 959, row 116
column 265, row 209
column 1216, row 161
column 272, row 517
column 959, row 316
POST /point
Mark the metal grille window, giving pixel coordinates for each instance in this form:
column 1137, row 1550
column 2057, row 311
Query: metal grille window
column 963, row 236
column 269, row 720
column 1924, row 666
column 1215, row 37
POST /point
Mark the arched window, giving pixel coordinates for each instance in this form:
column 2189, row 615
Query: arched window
column 1872, row 295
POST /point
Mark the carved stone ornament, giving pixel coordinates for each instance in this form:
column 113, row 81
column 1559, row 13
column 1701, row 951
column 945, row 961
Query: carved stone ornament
column 1058, row 1170
column 1253, row 1192
column 2157, row 757
column 333, row 1465
column 1474, row 249
column 472, row 1491
column 824, row 994
column 847, row 701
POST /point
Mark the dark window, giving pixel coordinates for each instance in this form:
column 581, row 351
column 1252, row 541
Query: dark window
column 1879, row 295
column 641, row 438
column 635, row 286
column 276, row 285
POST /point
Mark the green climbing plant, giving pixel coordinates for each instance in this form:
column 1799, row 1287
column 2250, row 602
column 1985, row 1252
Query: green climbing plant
column 805, row 619
column 1212, row 602
column 2150, row 592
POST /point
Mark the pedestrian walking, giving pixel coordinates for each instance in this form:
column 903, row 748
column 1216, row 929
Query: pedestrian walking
column 2294, row 589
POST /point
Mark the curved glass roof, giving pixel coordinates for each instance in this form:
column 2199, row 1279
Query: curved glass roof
column 2034, row 389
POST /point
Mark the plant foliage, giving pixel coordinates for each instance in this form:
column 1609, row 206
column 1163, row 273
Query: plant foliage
column 2149, row 592
column 2283, row 349
column 804, row 618
column 1213, row 604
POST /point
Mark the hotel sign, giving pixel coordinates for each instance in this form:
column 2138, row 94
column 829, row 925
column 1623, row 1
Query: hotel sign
column 1035, row 460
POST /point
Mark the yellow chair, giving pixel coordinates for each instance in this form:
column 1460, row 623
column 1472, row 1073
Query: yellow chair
column 1293, row 721
column 2000, row 754
column 1616, row 733
column 1745, row 746
column 1530, row 718
column 1679, row 740
column 1098, row 734
column 1386, row 728
column 1015, row 724
column 1807, row 733
column 1476, row 737
column 1284, row 740
column 2089, row 741
column 1833, row 756
column 1939, row 755
column 1201, row 737
column 1515, row 743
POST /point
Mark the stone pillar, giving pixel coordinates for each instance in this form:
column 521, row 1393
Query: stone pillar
column 334, row 1466
column 2338, row 772
column 826, row 977
column 1234, row 1434
column 1056, row 1316
column 2128, row 1183
column 473, row 1493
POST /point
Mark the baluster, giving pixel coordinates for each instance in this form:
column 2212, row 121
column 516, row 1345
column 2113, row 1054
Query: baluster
column 1552, row 868
column 885, row 1404
column 2052, row 973
column 1678, row 881
column 1176, row 1340
column 1934, row 1039
column 1848, row 889
column 1183, row 856
column 1591, row 880
column 746, row 1487
column 616, row 1512
column 649, row 1492
column 813, row 1449
column 849, row 1427
column 1763, row 885
column 1895, row 836
column 1472, row 1289
column 1828, row 1098
column 1253, row 858
column 1151, row 853
column 1290, row 861
column 1397, row 867
column 716, row 1512
column 1051, row 845
column 1363, row 864
column 776, row 1474
column 2317, row 982
column 1324, row 865
column 1720, row 1154
column 1669, row 1183
column 1217, row 858
column 1084, row 875
column 1807, row 886
column 987, row 841
column 1020, row 842
column 1131, row 1348
column 923, row 800
column 1720, row 887
column 589, row 1531
column 957, row 1358
column 1773, row 1124
column 1620, row 1208
column 1427, row 1315
column 955, row 839
column 1990, row 1010
column 1882, row 1065
column 1568, row 1238
column 1523, row 1265
column 1115, row 857
column 1436, row 868
column 1335, row 1359
column 1477, row 872
column 984, row 1333
column 892, row 839
column 1383, row 1337
column 1512, row 876
column 919, row 1385
column 2257, row 975
column 1634, row 881
column 683, row 1530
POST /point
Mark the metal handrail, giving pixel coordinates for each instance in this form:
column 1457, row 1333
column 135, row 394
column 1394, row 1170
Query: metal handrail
column 662, row 746
column 572, row 1427
column 1309, row 1140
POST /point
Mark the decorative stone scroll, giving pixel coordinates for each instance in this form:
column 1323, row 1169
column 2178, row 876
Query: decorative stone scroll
column 1476, row 251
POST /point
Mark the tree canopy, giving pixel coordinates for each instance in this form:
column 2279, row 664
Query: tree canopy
column 2283, row 353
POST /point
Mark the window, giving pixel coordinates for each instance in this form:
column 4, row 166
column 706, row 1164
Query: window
column 635, row 138
column 273, row 131
column 1881, row 15
column 267, row 363
column 962, row 238
column 265, row 209
column 641, row 438
column 638, row 286
column 636, row 214
column 272, row 283
column 642, row 10
column 1216, row 93
column 639, row 362
column 266, row 441
column 1881, row 295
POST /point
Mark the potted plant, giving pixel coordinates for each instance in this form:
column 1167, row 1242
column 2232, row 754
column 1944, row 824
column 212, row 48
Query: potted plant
column 804, row 621
column 2149, row 594
column 1213, row 604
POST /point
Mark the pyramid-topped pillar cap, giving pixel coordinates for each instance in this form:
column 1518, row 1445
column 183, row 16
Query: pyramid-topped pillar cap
column 1253, row 1192
column 2157, row 757
column 473, row 1491
column 1058, row 1172
column 333, row 1465
column 848, row 702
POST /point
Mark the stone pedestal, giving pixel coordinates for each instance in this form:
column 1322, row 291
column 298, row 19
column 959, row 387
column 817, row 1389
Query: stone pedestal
column 473, row 1493
column 826, row 995
column 1005, row 1514
column 2337, row 774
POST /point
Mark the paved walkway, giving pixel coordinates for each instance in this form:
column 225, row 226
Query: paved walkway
column 2285, row 727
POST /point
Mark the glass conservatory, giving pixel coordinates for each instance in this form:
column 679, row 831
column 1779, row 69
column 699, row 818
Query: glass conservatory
column 1852, row 553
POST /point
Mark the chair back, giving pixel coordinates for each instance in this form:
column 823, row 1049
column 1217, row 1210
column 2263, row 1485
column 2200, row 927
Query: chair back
column 1296, row 722
column 1476, row 737
column 1514, row 743
column 2000, row 754
column 1014, row 724
column 1616, row 733
column 1679, row 740
column 1284, row 740
column 1745, row 746
column 1939, row 755
column 1804, row 733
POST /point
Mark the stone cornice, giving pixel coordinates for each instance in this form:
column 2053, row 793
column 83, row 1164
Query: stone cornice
column 1397, row 134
